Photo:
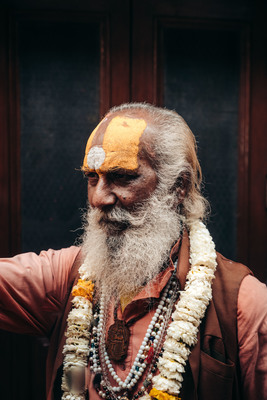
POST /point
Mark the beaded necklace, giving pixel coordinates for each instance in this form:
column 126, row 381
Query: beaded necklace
column 147, row 356
column 170, row 355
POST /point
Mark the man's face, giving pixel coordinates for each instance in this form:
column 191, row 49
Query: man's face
column 118, row 173
column 129, row 214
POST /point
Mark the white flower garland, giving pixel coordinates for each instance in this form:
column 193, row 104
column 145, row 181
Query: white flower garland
column 181, row 334
column 189, row 311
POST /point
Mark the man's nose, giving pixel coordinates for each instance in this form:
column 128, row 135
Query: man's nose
column 101, row 194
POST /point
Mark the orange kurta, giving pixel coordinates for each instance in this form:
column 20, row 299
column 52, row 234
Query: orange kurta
column 34, row 287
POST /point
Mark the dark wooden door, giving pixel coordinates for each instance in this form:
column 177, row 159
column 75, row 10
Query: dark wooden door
column 208, row 62
column 63, row 64
column 62, row 70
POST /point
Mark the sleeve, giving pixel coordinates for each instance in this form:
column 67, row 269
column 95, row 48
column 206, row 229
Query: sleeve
column 32, row 289
column 252, row 337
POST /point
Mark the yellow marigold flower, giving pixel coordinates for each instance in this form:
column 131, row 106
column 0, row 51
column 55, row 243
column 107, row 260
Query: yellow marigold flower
column 84, row 289
column 159, row 395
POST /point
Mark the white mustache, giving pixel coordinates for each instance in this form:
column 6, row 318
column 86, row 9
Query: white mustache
column 123, row 217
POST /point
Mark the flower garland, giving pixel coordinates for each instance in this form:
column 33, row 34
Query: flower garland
column 78, row 335
column 189, row 311
column 181, row 334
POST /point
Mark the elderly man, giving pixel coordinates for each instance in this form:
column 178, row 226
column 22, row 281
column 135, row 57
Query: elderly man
column 145, row 309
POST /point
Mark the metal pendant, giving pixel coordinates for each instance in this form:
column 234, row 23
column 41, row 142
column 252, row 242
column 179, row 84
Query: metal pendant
column 118, row 341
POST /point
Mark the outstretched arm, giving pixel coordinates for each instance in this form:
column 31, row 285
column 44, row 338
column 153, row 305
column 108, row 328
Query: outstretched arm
column 33, row 288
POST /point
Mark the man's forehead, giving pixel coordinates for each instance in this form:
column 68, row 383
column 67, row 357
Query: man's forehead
column 114, row 144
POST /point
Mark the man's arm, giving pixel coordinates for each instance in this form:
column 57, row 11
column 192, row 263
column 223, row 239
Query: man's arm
column 32, row 289
column 252, row 338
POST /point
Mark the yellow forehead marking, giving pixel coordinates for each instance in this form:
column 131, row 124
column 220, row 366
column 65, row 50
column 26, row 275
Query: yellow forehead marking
column 120, row 144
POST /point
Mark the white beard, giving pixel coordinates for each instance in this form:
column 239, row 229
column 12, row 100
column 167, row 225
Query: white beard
column 123, row 261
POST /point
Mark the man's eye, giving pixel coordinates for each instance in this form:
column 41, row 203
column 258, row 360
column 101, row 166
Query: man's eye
column 92, row 178
column 122, row 178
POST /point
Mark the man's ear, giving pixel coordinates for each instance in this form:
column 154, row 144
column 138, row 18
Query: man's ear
column 181, row 188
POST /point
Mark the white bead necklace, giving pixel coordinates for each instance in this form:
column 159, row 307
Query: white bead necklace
column 151, row 343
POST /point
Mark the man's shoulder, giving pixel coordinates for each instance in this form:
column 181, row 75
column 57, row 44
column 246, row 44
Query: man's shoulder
column 230, row 274
column 252, row 302
column 233, row 276
column 238, row 293
column 230, row 265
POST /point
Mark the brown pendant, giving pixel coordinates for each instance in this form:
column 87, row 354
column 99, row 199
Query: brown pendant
column 118, row 341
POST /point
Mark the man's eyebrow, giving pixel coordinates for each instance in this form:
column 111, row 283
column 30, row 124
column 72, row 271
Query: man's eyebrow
column 122, row 171
column 88, row 171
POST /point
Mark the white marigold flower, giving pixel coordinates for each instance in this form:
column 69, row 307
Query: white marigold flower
column 83, row 341
column 166, row 385
column 193, row 304
column 183, row 330
column 78, row 317
column 71, row 396
column 181, row 353
column 82, row 302
column 77, row 333
column 77, row 313
column 172, row 376
column 171, row 365
column 185, row 316
column 171, row 345
column 86, row 271
column 71, row 359
column 200, row 292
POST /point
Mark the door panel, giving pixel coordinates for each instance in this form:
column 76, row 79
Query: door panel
column 61, row 71
column 59, row 76
column 216, row 53
column 201, row 81
column 64, row 69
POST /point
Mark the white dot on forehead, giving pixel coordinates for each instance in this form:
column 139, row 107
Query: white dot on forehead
column 96, row 157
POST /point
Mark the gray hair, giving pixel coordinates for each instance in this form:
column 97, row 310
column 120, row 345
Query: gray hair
column 175, row 151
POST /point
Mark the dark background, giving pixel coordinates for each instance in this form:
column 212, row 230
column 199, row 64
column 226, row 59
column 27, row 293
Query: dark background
column 65, row 63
